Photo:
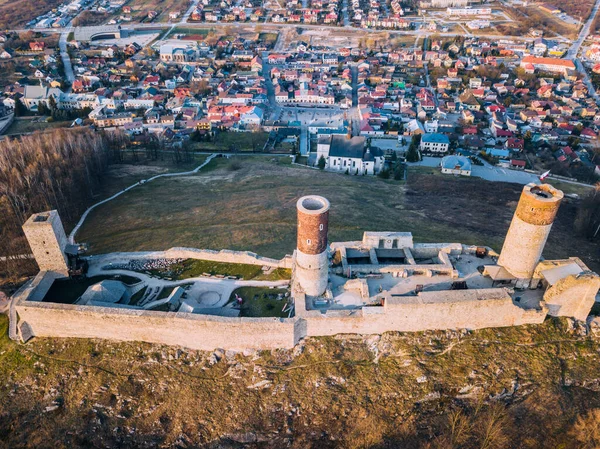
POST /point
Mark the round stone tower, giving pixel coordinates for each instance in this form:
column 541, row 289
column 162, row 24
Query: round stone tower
column 312, row 266
column 529, row 230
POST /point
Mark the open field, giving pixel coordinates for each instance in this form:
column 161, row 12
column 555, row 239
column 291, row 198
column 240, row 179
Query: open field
column 16, row 13
column 501, row 388
column 29, row 125
column 533, row 17
column 248, row 203
column 140, row 9
column 130, row 171
column 579, row 9
column 232, row 141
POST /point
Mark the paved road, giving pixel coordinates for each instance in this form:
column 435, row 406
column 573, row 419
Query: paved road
column 189, row 12
column 574, row 50
column 345, row 13
column 64, row 54
column 491, row 173
column 276, row 26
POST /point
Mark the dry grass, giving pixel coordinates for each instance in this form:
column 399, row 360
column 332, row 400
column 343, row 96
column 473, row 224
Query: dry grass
column 499, row 385
column 532, row 16
column 140, row 9
column 249, row 204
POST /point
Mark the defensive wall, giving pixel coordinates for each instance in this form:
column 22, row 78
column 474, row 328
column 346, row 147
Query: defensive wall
column 194, row 331
column 459, row 309
column 470, row 309
column 555, row 287
column 227, row 256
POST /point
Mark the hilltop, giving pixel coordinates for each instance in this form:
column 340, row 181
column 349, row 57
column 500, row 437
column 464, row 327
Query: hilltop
column 495, row 388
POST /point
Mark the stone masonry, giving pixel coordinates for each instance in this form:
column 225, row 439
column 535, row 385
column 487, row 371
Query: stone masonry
column 47, row 239
column 529, row 230
column 311, row 255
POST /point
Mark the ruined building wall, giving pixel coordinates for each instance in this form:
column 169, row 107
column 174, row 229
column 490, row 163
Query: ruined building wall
column 225, row 255
column 193, row 331
column 464, row 309
column 47, row 239
column 529, row 229
column 311, row 259
column 573, row 296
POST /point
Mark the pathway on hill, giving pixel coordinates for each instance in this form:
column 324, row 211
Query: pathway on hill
column 585, row 30
column 73, row 233
column 573, row 52
column 64, row 54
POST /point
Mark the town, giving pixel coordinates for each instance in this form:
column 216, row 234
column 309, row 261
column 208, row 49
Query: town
column 300, row 223
column 357, row 104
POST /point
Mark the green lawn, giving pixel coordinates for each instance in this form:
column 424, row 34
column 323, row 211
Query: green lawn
column 137, row 296
column 249, row 203
column 192, row 268
column 26, row 125
column 232, row 141
column 261, row 302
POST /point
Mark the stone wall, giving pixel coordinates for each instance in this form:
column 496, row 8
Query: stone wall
column 573, row 296
column 227, row 256
column 472, row 309
column 47, row 239
column 193, row 331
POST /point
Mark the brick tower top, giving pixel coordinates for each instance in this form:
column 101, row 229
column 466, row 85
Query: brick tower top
column 313, row 223
column 539, row 204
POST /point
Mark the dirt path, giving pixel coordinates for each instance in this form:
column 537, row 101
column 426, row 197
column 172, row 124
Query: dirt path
column 144, row 181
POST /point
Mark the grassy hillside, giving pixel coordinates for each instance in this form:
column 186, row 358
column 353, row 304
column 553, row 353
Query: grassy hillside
column 248, row 203
column 526, row 387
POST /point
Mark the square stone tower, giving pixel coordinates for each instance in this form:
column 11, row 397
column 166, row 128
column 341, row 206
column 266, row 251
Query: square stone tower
column 47, row 239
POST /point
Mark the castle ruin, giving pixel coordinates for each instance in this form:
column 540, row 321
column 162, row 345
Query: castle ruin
column 48, row 242
column 384, row 282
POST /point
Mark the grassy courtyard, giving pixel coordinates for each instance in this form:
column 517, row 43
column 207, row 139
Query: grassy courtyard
column 191, row 268
column 248, row 203
column 261, row 302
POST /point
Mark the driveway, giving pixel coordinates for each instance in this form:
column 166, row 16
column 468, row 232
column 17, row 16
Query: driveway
column 487, row 172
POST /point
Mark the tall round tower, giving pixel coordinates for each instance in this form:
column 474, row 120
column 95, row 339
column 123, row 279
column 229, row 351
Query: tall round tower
column 312, row 266
column 529, row 229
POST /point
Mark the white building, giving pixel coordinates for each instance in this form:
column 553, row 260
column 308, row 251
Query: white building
column 434, row 143
column 431, row 126
column 78, row 101
column 177, row 53
column 253, row 117
column 349, row 154
column 456, row 165
column 34, row 95
column 469, row 11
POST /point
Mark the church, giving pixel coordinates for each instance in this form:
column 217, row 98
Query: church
column 343, row 153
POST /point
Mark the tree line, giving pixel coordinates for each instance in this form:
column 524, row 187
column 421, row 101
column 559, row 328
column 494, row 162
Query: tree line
column 59, row 170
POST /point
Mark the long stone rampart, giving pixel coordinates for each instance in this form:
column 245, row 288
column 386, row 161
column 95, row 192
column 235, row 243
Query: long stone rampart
column 227, row 256
column 472, row 309
column 190, row 330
